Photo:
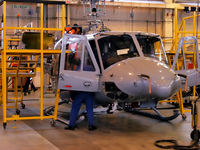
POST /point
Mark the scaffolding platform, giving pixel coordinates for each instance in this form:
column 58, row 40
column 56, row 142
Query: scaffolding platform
column 14, row 66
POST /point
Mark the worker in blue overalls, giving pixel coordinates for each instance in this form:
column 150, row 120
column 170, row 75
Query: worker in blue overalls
column 78, row 98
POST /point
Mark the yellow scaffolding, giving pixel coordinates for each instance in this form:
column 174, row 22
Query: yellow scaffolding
column 18, row 72
column 181, row 31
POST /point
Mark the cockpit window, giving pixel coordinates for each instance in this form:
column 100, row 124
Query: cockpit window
column 151, row 47
column 115, row 48
column 73, row 59
column 87, row 61
column 147, row 44
column 94, row 49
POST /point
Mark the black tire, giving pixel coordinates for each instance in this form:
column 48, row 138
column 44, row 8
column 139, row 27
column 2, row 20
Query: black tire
column 195, row 135
column 53, row 123
column 109, row 111
column 4, row 125
column 184, row 117
column 23, row 106
column 17, row 111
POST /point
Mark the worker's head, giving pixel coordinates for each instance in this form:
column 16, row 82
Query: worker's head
column 73, row 29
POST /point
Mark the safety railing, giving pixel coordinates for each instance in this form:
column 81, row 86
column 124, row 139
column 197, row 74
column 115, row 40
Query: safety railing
column 181, row 31
column 19, row 71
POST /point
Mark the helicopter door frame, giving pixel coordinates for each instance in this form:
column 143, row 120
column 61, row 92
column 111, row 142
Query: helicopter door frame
column 163, row 50
column 78, row 80
column 105, row 34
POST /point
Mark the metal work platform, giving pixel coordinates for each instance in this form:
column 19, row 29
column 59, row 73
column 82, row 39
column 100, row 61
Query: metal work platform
column 19, row 63
column 190, row 54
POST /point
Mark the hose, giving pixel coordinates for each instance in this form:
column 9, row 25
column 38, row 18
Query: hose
column 49, row 110
column 174, row 145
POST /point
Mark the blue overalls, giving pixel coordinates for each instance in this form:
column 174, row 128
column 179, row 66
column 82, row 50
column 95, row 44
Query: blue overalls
column 79, row 98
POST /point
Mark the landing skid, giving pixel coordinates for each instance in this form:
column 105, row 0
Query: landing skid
column 157, row 116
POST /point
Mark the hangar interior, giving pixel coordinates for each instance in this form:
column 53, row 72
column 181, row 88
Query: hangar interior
column 155, row 43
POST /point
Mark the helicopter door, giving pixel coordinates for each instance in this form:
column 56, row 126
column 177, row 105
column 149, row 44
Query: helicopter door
column 78, row 68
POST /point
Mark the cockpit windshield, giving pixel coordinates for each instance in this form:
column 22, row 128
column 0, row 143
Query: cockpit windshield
column 151, row 47
column 115, row 48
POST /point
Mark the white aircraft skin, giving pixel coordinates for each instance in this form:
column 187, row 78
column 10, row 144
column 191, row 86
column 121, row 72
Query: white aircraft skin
column 127, row 77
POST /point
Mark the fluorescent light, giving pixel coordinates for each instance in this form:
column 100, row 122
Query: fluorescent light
column 138, row 1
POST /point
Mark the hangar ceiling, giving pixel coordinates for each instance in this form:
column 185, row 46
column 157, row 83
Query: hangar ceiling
column 187, row 1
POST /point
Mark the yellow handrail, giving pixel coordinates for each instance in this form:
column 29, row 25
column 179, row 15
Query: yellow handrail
column 20, row 71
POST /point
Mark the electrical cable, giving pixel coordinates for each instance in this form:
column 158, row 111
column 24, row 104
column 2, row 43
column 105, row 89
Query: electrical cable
column 49, row 110
column 175, row 145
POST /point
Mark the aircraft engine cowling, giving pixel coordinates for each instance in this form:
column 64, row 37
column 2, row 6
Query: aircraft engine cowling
column 139, row 79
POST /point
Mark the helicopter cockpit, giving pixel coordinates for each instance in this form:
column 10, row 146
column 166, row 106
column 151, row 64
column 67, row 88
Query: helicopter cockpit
column 116, row 48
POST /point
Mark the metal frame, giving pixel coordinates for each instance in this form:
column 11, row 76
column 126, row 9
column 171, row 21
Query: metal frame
column 181, row 31
column 5, row 52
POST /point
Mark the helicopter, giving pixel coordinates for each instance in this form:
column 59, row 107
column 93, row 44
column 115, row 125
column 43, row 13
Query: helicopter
column 127, row 68
column 130, row 68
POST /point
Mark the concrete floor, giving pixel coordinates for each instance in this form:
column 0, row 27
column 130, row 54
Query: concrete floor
column 118, row 131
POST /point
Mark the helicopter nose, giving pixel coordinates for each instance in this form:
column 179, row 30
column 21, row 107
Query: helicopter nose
column 145, row 77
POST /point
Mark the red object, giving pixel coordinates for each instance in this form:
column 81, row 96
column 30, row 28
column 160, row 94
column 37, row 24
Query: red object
column 68, row 86
column 14, row 64
column 70, row 30
column 73, row 46
column 191, row 66
column 18, row 15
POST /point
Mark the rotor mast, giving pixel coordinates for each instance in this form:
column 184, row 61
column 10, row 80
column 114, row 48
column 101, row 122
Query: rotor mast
column 94, row 13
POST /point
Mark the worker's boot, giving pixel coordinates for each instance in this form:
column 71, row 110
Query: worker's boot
column 70, row 128
column 92, row 127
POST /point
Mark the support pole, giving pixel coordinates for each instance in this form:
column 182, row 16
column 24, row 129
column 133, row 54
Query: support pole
column 176, row 28
column 194, row 56
column 56, row 104
column 63, row 18
column 4, row 83
column 68, row 15
column 41, row 61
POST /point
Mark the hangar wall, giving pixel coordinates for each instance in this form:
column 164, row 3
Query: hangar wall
column 117, row 18
column 22, row 14
column 125, row 18
column 153, row 20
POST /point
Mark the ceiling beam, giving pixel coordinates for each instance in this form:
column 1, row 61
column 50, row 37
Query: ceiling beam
column 38, row 1
column 186, row 1
column 145, row 4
